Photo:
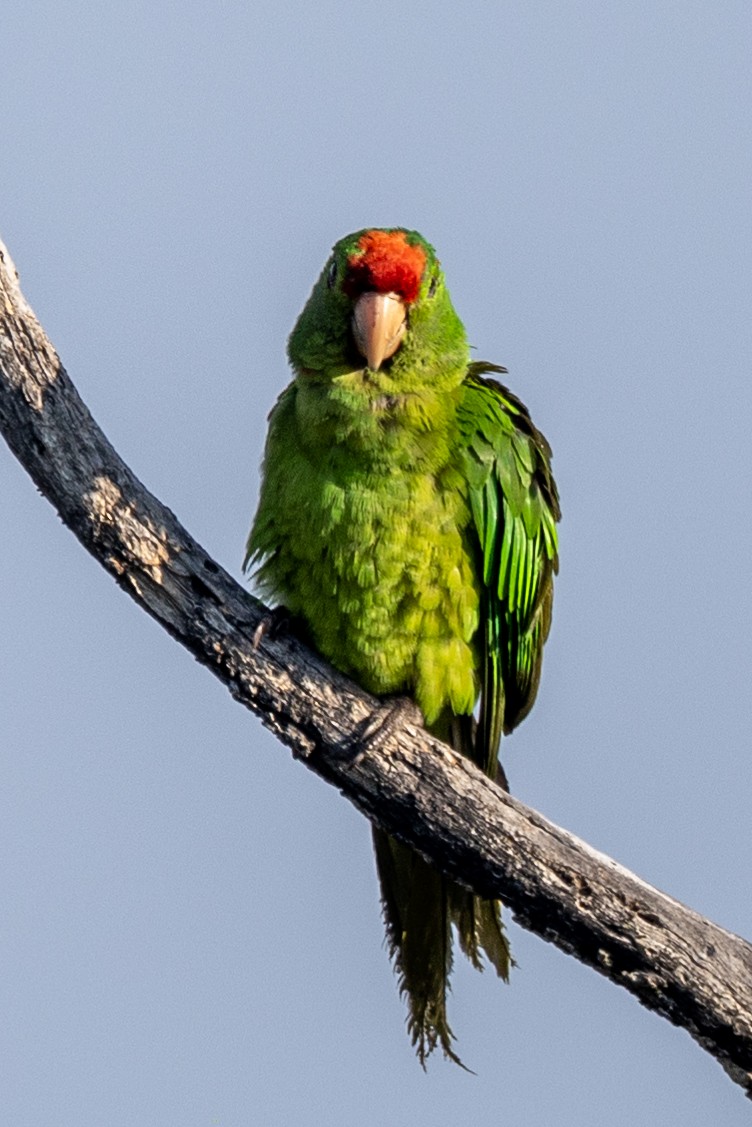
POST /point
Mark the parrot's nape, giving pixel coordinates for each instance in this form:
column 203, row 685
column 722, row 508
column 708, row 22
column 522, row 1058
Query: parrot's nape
column 408, row 517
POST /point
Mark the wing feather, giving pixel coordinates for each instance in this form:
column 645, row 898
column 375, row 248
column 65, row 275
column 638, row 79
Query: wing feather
column 515, row 508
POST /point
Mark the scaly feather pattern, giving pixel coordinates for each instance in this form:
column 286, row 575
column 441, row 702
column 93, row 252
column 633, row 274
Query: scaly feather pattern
column 408, row 517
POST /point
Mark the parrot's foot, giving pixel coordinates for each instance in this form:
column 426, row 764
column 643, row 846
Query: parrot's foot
column 376, row 729
column 275, row 622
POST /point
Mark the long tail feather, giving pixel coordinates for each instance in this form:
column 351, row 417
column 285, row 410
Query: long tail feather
column 419, row 939
column 420, row 907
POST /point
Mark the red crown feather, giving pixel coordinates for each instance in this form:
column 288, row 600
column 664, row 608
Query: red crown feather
column 387, row 263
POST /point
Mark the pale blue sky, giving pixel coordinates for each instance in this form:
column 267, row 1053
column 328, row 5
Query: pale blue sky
column 189, row 922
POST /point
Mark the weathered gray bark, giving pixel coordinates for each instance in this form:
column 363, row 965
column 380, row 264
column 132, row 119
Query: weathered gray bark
column 676, row 962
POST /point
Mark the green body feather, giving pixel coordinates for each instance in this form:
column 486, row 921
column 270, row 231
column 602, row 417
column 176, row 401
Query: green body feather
column 408, row 516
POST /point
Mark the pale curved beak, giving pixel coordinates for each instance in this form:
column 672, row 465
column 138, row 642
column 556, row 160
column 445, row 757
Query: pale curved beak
column 379, row 322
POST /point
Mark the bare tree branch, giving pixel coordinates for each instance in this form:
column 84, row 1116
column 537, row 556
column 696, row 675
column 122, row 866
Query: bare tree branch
column 676, row 962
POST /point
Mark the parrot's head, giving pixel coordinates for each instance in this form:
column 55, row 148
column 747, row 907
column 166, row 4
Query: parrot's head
column 381, row 306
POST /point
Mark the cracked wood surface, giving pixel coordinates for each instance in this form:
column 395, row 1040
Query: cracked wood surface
column 673, row 960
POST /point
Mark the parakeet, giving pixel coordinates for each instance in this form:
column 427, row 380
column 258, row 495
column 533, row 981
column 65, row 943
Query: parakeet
column 408, row 517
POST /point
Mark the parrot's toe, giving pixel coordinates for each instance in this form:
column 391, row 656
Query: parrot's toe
column 391, row 715
column 273, row 623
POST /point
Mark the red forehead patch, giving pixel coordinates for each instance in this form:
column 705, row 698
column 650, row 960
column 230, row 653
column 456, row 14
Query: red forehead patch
column 385, row 262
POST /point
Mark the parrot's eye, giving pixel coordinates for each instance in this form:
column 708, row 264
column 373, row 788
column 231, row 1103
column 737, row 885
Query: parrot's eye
column 433, row 286
column 331, row 274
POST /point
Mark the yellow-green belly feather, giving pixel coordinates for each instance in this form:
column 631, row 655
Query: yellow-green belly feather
column 376, row 561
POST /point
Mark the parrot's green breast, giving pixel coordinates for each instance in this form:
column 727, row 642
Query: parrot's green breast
column 362, row 531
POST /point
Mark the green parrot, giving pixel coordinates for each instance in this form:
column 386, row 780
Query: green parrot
column 408, row 517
